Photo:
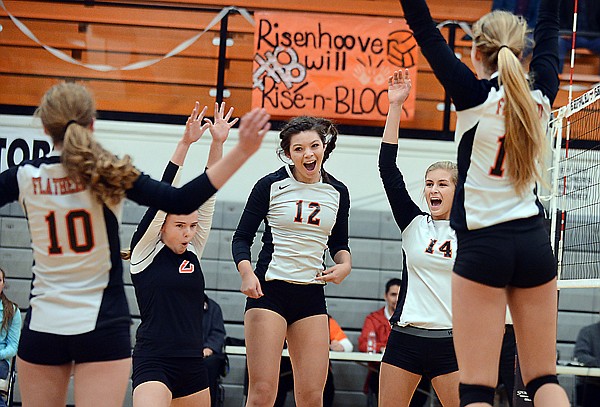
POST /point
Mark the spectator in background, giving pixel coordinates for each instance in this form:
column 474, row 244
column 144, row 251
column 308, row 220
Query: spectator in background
column 213, row 331
column 378, row 321
column 588, row 21
column 10, row 331
column 338, row 342
column 587, row 352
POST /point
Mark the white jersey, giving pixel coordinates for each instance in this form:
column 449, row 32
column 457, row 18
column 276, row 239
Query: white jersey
column 430, row 248
column 71, row 248
column 301, row 222
column 490, row 197
column 77, row 281
column 484, row 194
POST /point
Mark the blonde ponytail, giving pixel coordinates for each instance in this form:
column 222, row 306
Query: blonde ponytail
column 501, row 38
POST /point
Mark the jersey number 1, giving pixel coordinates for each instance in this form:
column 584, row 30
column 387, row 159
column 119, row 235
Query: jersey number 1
column 497, row 169
column 79, row 244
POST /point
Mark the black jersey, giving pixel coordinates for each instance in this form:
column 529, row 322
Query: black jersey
column 169, row 287
column 485, row 195
column 78, row 274
column 301, row 222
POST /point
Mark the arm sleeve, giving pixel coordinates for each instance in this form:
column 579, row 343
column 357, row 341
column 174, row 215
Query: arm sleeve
column 215, row 337
column 149, row 192
column 584, row 347
column 544, row 63
column 255, row 211
column 205, row 218
column 149, row 227
column 13, row 336
column 403, row 207
column 338, row 240
column 9, row 186
column 459, row 81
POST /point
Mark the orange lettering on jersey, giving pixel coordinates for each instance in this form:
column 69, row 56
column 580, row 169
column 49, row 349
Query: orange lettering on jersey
column 56, row 186
column 37, row 185
column 500, row 108
column 186, row 267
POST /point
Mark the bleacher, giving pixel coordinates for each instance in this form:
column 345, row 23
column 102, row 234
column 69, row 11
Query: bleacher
column 122, row 32
column 377, row 257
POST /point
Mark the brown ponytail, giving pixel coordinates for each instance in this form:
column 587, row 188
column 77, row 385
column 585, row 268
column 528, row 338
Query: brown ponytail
column 67, row 112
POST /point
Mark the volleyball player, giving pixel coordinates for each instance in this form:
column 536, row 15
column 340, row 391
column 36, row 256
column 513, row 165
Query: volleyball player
column 78, row 321
column 504, row 250
column 305, row 211
column 168, row 366
column 420, row 343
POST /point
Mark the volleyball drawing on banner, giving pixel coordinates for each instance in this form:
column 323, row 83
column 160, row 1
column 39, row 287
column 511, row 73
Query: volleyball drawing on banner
column 330, row 65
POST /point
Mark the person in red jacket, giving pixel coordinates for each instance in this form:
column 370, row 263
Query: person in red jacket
column 379, row 321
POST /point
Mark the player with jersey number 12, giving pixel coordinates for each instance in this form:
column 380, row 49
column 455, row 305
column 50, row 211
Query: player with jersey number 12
column 305, row 211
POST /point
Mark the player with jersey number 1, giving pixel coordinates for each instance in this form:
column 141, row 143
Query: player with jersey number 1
column 504, row 252
column 305, row 211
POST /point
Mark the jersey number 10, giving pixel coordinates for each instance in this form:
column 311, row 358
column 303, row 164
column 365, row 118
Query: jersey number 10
column 78, row 244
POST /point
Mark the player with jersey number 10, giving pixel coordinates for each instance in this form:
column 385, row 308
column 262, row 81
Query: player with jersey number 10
column 305, row 211
column 78, row 322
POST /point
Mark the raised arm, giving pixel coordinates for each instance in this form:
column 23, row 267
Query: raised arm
column 219, row 131
column 456, row 77
column 253, row 127
column 403, row 207
column 148, row 231
column 544, row 62
column 188, row 198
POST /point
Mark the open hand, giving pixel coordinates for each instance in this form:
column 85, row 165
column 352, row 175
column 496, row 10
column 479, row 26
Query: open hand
column 194, row 127
column 219, row 130
column 399, row 85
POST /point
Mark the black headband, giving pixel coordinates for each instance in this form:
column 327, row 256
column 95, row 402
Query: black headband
column 70, row 122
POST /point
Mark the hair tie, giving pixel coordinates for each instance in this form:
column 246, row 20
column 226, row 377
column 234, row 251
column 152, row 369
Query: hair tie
column 70, row 122
column 504, row 46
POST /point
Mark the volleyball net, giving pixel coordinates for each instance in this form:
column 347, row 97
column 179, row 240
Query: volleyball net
column 575, row 197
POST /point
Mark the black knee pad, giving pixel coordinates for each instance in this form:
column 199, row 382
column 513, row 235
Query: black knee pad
column 475, row 393
column 533, row 386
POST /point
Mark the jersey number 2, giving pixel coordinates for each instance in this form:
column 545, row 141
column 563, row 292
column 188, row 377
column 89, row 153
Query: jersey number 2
column 79, row 244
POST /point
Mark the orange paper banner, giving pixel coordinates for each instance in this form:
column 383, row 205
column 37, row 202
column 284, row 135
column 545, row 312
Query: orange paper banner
column 330, row 65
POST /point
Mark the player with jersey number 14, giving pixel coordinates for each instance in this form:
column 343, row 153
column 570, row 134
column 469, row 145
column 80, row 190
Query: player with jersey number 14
column 305, row 211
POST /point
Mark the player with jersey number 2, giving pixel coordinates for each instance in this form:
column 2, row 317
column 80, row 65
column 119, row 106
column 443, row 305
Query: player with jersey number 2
column 504, row 252
column 305, row 211
column 78, row 320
